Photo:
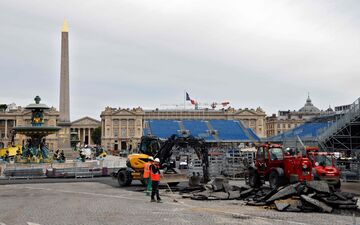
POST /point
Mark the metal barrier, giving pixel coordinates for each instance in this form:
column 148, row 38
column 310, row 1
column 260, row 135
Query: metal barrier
column 350, row 170
column 22, row 171
column 229, row 166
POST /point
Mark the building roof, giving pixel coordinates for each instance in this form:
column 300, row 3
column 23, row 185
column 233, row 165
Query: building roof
column 86, row 121
column 309, row 107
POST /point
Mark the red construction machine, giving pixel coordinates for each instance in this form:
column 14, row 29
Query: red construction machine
column 274, row 165
column 323, row 164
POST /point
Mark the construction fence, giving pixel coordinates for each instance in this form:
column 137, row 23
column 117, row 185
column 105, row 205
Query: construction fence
column 69, row 169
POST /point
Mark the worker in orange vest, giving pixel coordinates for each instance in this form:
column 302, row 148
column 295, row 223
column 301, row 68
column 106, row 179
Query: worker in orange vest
column 155, row 179
column 146, row 175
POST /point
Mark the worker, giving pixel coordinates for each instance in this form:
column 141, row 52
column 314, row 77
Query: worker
column 155, row 180
column 146, row 175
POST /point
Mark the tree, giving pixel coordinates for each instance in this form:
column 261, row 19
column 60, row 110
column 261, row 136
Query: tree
column 96, row 136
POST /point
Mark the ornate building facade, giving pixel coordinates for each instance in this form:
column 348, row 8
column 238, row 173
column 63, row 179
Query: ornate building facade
column 122, row 128
column 286, row 120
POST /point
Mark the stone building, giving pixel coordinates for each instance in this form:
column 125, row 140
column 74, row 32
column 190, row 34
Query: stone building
column 122, row 128
column 286, row 120
column 84, row 128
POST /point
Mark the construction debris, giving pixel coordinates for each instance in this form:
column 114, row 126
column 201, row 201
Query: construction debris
column 310, row 196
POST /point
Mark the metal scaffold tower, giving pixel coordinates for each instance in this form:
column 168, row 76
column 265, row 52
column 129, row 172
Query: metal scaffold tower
column 344, row 134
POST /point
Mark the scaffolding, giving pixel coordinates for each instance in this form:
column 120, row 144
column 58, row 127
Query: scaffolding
column 344, row 135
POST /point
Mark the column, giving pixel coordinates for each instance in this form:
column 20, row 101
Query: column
column 78, row 133
column 83, row 141
column 89, row 136
column 127, row 128
column 6, row 130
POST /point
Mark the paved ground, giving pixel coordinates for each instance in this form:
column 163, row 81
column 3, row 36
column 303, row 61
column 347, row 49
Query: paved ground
column 102, row 202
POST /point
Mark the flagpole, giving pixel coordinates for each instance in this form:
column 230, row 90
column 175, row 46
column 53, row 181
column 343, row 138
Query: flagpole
column 184, row 98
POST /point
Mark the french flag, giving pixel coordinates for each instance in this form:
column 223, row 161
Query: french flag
column 193, row 101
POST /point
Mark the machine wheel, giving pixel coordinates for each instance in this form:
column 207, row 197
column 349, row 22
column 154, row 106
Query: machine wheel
column 173, row 184
column 338, row 185
column 275, row 180
column 124, row 178
column 254, row 179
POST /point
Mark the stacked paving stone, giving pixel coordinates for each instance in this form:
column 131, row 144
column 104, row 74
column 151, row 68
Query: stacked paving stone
column 311, row 196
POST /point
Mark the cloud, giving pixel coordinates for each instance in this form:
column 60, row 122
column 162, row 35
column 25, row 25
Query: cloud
column 146, row 53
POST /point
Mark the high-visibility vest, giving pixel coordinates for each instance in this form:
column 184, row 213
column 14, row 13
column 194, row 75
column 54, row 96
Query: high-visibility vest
column 146, row 170
column 155, row 176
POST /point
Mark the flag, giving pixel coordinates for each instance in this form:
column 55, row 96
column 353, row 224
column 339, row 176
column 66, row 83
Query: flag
column 188, row 97
column 193, row 101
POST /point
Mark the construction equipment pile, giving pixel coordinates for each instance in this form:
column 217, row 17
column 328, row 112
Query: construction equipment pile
column 309, row 196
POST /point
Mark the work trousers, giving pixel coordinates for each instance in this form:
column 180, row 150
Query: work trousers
column 155, row 190
column 148, row 187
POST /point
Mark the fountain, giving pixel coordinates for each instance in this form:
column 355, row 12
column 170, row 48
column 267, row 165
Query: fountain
column 35, row 149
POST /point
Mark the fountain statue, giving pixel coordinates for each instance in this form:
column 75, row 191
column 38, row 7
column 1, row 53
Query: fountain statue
column 35, row 149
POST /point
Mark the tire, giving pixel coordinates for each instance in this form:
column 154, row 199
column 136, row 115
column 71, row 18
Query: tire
column 124, row 178
column 173, row 184
column 275, row 179
column 338, row 185
column 254, row 179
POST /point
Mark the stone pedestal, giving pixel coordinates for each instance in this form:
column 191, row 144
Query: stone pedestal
column 64, row 140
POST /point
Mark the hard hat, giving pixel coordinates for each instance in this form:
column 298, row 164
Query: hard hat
column 151, row 158
column 157, row 160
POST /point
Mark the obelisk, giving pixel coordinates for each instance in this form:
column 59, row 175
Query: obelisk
column 64, row 117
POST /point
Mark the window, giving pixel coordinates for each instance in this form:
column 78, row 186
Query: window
column 278, row 126
column 116, row 132
column 289, row 125
column 116, row 122
column 323, row 160
column 252, row 123
column 260, row 153
column 132, row 132
column 131, row 123
column 276, row 154
column 123, row 132
column 266, row 154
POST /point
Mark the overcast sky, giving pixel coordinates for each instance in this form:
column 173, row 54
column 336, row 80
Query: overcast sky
column 129, row 53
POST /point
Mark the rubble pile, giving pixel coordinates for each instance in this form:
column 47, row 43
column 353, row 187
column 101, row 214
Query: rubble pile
column 311, row 196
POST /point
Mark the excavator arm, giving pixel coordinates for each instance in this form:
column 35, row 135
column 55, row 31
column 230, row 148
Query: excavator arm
column 167, row 147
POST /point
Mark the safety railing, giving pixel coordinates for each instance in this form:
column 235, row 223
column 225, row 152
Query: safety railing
column 352, row 113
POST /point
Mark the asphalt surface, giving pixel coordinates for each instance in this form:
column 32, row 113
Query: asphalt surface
column 101, row 201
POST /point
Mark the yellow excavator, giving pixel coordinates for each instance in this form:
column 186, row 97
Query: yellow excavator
column 156, row 148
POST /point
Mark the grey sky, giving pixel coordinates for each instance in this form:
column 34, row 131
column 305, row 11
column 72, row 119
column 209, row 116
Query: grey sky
column 145, row 53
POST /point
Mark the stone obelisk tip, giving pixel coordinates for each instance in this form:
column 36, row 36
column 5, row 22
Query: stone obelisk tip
column 65, row 27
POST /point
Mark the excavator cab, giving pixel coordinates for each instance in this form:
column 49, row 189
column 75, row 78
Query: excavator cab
column 150, row 145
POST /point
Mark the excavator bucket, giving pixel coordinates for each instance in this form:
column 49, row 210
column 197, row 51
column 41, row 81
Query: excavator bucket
column 173, row 178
